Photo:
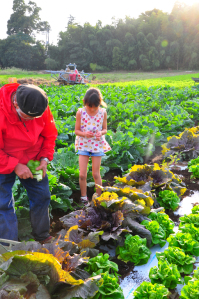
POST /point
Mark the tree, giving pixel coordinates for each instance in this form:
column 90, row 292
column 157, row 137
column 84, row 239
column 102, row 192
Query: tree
column 25, row 19
column 175, row 54
column 20, row 51
column 116, row 58
column 71, row 20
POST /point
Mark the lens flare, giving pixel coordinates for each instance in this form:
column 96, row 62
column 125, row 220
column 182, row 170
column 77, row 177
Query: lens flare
column 164, row 43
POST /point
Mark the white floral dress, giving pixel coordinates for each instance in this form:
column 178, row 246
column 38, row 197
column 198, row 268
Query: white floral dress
column 93, row 124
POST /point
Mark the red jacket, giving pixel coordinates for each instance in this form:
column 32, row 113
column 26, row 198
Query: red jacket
column 19, row 143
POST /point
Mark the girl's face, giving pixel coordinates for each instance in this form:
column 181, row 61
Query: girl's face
column 92, row 110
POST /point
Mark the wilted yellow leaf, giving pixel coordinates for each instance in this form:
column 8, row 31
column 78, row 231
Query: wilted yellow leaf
column 86, row 243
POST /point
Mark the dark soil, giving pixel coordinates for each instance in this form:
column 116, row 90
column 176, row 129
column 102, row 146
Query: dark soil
column 173, row 294
column 156, row 157
column 172, row 216
column 55, row 224
column 124, row 268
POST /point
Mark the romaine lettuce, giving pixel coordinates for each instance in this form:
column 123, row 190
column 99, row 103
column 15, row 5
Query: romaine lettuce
column 37, row 174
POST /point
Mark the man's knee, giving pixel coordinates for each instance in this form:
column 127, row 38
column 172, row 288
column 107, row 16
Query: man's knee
column 6, row 202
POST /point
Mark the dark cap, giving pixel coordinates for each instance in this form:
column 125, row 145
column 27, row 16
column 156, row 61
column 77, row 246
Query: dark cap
column 31, row 99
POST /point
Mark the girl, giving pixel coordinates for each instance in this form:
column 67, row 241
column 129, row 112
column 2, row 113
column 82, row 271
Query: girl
column 90, row 128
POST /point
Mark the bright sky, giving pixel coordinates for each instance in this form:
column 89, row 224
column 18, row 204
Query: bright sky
column 57, row 12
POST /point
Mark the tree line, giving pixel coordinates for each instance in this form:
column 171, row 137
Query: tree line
column 155, row 40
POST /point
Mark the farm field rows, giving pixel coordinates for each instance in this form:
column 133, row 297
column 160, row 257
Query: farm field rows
column 142, row 116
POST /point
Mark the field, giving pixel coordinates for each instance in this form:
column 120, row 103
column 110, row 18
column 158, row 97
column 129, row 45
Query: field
column 144, row 111
column 100, row 78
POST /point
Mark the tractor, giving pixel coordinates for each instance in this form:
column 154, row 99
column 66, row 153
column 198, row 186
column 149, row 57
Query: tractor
column 70, row 75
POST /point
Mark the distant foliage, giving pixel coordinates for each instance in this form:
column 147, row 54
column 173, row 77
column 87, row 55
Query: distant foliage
column 51, row 64
column 155, row 40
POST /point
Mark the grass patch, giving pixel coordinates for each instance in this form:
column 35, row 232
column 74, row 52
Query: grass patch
column 178, row 79
column 22, row 74
column 123, row 76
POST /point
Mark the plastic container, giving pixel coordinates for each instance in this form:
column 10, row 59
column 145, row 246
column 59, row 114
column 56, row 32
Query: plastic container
column 12, row 80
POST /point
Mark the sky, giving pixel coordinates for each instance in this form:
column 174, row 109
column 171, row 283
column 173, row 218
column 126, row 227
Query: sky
column 57, row 12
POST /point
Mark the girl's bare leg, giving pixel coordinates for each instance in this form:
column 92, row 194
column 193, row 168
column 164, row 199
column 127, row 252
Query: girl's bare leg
column 83, row 164
column 96, row 162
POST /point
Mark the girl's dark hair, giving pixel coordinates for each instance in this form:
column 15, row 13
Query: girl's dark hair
column 93, row 97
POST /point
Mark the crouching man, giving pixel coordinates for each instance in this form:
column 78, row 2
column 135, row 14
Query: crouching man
column 27, row 132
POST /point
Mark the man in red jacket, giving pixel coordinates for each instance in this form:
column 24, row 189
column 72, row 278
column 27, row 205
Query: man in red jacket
column 27, row 132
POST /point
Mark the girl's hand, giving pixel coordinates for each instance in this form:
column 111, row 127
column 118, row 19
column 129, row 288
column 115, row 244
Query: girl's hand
column 98, row 135
column 89, row 134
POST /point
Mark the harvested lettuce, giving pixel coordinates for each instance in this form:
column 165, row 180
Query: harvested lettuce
column 37, row 174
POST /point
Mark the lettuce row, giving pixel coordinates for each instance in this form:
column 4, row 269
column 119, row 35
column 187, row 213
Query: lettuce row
column 108, row 284
column 195, row 209
column 157, row 232
column 168, row 199
column 191, row 289
column 185, row 242
column 101, row 264
column 147, row 290
column 175, row 255
column 193, row 166
column 109, row 288
column 176, row 259
column 191, row 229
column 134, row 250
column 164, row 221
column 191, row 218
column 166, row 274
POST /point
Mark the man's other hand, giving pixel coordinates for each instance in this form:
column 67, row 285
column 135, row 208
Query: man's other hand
column 43, row 166
column 23, row 171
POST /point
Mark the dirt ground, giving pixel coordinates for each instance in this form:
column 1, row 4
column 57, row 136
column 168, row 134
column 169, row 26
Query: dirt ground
column 38, row 81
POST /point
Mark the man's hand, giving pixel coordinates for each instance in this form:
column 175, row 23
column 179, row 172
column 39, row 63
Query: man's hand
column 23, row 171
column 43, row 166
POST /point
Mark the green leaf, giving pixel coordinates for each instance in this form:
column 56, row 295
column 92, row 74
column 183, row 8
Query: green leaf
column 134, row 250
column 151, row 291
column 166, row 274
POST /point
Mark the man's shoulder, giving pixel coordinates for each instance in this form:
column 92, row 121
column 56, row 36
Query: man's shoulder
column 9, row 88
column 2, row 117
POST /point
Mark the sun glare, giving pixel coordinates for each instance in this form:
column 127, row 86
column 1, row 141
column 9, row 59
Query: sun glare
column 189, row 2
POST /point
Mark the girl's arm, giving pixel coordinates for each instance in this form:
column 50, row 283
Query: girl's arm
column 104, row 126
column 78, row 131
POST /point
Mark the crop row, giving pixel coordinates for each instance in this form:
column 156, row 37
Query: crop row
column 176, row 260
column 139, row 119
